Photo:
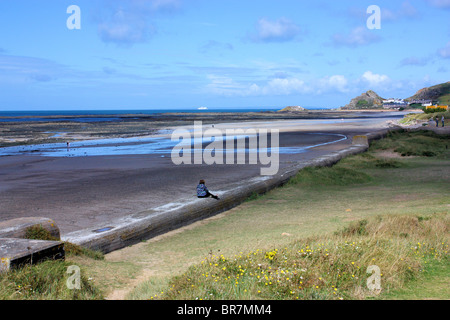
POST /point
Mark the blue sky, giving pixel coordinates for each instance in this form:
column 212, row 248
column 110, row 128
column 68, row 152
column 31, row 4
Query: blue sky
column 173, row 54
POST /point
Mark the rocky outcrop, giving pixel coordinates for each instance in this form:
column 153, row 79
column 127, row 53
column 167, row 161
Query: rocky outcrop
column 292, row 109
column 367, row 100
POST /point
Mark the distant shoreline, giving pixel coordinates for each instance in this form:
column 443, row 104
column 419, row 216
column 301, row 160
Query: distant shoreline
column 57, row 128
column 42, row 116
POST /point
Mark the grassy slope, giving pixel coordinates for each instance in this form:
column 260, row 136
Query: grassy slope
column 318, row 205
column 445, row 99
column 330, row 267
column 425, row 117
column 433, row 285
column 443, row 89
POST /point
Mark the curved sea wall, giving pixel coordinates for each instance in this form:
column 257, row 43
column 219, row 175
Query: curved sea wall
column 145, row 225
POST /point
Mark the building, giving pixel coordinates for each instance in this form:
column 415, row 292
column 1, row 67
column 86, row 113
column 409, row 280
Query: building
column 423, row 102
column 394, row 103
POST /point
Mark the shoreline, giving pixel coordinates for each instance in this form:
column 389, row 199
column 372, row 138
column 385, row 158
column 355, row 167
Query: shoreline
column 39, row 132
column 89, row 193
column 147, row 225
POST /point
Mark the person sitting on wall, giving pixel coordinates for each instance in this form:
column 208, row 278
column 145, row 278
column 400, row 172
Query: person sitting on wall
column 203, row 192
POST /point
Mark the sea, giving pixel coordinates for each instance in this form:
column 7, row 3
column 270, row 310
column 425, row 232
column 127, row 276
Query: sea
column 103, row 115
column 118, row 115
column 147, row 145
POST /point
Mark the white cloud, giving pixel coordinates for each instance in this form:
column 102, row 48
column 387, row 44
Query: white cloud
column 276, row 31
column 226, row 86
column 279, row 86
column 129, row 22
column 375, row 80
column 285, row 86
column 333, row 83
column 125, row 27
column 357, row 37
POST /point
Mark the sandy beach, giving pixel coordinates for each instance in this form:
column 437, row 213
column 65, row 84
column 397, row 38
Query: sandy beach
column 80, row 192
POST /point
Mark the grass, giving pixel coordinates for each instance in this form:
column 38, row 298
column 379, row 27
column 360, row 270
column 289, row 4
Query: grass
column 48, row 280
column 327, row 267
column 410, row 118
column 433, row 284
column 37, row 232
column 370, row 190
column 426, row 143
column 368, row 206
column 445, row 99
column 329, row 176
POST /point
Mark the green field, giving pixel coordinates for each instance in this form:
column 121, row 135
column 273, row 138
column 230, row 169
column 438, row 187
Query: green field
column 445, row 100
column 313, row 238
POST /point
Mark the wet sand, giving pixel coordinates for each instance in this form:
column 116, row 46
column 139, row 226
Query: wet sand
column 88, row 192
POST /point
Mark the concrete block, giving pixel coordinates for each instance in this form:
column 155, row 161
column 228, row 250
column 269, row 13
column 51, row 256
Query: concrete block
column 15, row 253
column 16, row 228
column 360, row 141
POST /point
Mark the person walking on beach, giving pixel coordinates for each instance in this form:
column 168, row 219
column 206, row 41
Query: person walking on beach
column 203, row 192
